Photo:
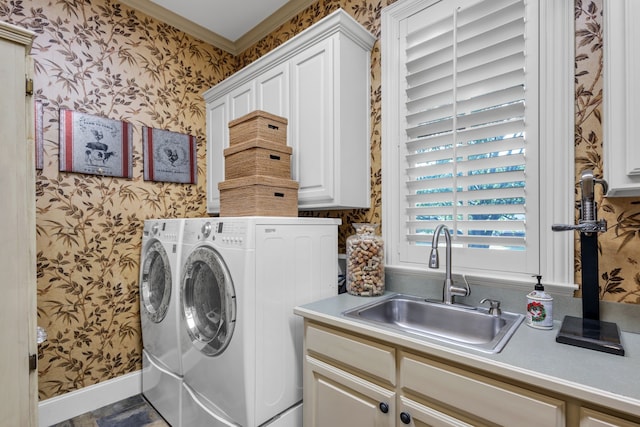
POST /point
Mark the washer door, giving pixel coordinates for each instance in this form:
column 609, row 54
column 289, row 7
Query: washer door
column 155, row 285
column 208, row 301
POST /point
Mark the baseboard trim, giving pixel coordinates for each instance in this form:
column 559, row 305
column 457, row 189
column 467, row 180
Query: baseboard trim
column 72, row 404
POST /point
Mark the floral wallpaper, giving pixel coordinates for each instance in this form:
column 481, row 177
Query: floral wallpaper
column 619, row 261
column 103, row 58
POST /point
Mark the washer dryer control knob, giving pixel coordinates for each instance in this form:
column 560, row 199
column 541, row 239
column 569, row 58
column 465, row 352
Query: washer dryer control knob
column 154, row 229
column 206, row 229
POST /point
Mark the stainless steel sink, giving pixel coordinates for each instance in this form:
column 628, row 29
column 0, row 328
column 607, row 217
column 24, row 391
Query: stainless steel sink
column 466, row 326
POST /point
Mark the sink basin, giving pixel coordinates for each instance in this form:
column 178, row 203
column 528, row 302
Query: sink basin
column 465, row 326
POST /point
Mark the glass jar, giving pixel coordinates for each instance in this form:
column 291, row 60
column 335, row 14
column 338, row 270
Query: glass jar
column 365, row 261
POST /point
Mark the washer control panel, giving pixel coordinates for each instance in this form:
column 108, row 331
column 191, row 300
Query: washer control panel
column 227, row 233
column 165, row 230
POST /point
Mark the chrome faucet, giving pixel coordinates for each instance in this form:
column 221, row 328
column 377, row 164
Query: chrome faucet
column 449, row 291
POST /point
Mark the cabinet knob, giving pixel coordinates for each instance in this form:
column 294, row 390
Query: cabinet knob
column 384, row 407
column 405, row 418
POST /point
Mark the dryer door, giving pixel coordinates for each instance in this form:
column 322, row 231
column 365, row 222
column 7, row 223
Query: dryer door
column 155, row 281
column 208, row 301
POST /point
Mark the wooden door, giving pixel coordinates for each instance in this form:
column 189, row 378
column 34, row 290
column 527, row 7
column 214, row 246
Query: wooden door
column 18, row 395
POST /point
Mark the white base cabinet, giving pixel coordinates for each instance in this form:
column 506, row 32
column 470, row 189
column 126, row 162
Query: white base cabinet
column 320, row 81
column 353, row 380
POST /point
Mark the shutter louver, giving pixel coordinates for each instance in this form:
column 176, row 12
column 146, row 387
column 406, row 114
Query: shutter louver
column 465, row 147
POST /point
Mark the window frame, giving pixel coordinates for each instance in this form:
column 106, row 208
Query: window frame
column 557, row 161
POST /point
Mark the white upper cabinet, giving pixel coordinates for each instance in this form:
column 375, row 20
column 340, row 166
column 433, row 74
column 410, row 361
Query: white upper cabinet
column 272, row 91
column 320, row 81
column 621, row 149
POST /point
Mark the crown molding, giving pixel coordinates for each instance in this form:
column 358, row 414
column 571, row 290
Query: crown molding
column 16, row 34
column 165, row 15
column 286, row 12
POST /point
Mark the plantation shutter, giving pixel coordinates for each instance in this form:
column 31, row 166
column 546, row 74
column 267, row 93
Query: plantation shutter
column 470, row 147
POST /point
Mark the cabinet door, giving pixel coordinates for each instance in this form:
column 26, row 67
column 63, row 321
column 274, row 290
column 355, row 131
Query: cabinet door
column 217, row 140
column 272, row 91
column 220, row 112
column 312, row 122
column 241, row 101
column 620, row 97
column 333, row 397
column 19, row 398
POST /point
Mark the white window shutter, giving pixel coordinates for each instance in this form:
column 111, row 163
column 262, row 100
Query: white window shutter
column 419, row 87
column 469, row 141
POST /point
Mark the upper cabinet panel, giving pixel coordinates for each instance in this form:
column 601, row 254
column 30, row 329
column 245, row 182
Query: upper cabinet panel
column 621, row 94
column 320, row 81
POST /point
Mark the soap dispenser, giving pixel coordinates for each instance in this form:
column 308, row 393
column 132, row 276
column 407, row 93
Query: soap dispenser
column 539, row 307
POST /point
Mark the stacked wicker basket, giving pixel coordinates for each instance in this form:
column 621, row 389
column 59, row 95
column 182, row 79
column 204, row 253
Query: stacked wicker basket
column 258, row 168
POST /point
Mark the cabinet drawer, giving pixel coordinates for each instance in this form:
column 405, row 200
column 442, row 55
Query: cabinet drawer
column 591, row 418
column 476, row 395
column 377, row 360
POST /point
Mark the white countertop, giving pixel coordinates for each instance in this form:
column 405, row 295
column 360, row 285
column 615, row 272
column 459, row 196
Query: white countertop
column 531, row 356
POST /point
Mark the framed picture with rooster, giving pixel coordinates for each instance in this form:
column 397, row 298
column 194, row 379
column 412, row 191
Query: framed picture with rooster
column 169, row 156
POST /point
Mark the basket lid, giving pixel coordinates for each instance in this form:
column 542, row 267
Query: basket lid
column 255, row 114
column 267, row 181
column 258, row 143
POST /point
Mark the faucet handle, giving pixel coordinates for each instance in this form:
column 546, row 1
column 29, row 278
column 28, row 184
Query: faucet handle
column 583, row 227
column 494, row 306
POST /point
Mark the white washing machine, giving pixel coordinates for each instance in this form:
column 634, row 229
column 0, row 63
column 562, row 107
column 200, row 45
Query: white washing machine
column 160, row 314
column 241, row 279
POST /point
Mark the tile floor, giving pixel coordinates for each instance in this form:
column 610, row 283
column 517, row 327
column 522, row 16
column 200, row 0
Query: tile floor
column 131, row 412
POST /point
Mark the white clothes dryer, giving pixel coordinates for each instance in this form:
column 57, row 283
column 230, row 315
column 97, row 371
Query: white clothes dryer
column 160, row 314
column 241, row 279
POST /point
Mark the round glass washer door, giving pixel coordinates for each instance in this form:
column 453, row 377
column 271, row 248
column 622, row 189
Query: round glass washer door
column 155, row 285
column 208, row 301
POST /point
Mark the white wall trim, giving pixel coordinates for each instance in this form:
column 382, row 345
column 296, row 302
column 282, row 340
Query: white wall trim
column 72, row 404
column 557, row 150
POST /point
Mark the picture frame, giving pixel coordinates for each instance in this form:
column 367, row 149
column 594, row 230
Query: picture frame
column 95, row 145
column 169, row 156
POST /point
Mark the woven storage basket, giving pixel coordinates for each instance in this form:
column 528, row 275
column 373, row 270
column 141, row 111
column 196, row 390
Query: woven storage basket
column 258, row 125
column 257, row 157
column 258, row 195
